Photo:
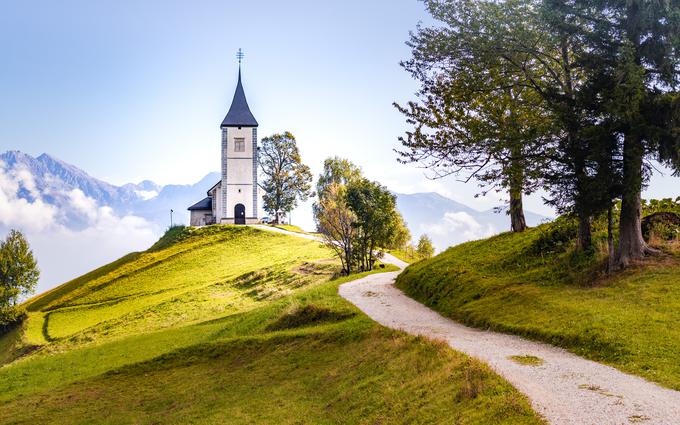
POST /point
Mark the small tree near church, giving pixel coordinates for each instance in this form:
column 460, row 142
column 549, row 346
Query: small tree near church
column 286, row 178
column 356, row 217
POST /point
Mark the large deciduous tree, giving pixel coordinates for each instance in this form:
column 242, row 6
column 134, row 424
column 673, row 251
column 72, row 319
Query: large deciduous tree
column 478, row 113
column 286, row 178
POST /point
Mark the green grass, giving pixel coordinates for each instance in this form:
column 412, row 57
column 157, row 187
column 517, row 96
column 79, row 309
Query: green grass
column 527, row 360
column 203, row 328
column 532, row 284
column 289, row 227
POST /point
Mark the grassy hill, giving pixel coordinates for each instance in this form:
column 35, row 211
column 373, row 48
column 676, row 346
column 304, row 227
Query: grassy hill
column 232, row 325
column 533, row 284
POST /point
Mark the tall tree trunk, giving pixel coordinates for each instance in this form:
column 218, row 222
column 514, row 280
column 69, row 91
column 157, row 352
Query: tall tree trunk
column 584, row 238
column 575, row 147
column 517, row 221
column 632, row 245
column 610, row 239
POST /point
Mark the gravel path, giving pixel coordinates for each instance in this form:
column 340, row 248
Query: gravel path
column 564, row 388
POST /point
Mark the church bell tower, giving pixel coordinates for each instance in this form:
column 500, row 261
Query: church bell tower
column 238, row 194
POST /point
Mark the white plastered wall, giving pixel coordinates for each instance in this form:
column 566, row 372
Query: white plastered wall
column 239, row 172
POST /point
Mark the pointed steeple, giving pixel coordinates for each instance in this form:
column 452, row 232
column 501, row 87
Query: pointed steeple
column 239, row 114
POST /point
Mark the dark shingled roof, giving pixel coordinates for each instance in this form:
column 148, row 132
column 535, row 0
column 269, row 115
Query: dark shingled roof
column 239, row 114
column 204, row 204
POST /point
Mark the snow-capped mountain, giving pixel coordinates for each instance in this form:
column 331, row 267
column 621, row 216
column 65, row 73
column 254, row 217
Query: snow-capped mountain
column 75, row 222
column 56, row 183
column 53, row 176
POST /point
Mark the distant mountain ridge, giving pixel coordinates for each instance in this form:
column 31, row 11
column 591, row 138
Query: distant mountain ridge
column 54, row 180
column 52, row 173
column 446, row 221
column 75, row 221
column 449, row 222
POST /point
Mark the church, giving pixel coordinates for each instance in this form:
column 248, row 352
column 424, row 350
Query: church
column 233, row 199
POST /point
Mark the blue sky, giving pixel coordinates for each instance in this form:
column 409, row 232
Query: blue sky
column 131, row 90
column 136, row 90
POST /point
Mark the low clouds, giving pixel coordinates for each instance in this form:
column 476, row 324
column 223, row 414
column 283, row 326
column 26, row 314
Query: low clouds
column 35, row 214
column 455, row 228
column 71, row 234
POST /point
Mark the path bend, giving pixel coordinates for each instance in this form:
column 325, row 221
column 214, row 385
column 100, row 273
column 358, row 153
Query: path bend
column 565, row 389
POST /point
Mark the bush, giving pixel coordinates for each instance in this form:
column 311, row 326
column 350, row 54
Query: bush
column 661, row 225
column 557, row 239
column 307, row 315
column 10, row 318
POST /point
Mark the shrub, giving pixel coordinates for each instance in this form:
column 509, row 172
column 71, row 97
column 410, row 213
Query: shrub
column 10, row 318
column 557, row 239
column 309, row 314
column 661, row 225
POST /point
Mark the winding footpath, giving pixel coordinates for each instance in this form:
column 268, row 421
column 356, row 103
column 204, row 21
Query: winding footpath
column 564, row 389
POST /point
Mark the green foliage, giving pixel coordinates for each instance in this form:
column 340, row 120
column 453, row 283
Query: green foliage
column 336, row 223
column 425, row 248
column 476, row 115
column 286, row 178
column 569, row 96
column 18, row 276
column 407, row 254
column 554, row 239
column 208, row 330
column 400, row 233
column 378, row 222
column 338, row 171
column 534, row 284
column 357, row 217
column 11, row 318
column 652, row 206
column 664, row 231
column 661, row 219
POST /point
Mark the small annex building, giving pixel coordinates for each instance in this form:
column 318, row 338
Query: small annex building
column 233, row 199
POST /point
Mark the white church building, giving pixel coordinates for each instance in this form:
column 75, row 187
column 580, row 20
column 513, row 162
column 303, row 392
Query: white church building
column 233, row 199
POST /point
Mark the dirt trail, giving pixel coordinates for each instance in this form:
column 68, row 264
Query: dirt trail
column 564, row 388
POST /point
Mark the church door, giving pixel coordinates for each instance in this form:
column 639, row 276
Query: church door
column 240, row 214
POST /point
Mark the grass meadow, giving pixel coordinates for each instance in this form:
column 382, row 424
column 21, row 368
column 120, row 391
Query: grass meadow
column 533, row 284
column 232, row 325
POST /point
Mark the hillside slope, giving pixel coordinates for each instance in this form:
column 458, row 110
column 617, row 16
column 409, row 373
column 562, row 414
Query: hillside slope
column 232, row 324
column 531, row 284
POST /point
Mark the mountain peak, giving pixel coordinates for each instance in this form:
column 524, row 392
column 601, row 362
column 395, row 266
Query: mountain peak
column 14, row 156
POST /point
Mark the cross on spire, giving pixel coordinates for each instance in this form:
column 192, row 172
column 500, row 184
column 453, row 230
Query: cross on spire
column 239, row 56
